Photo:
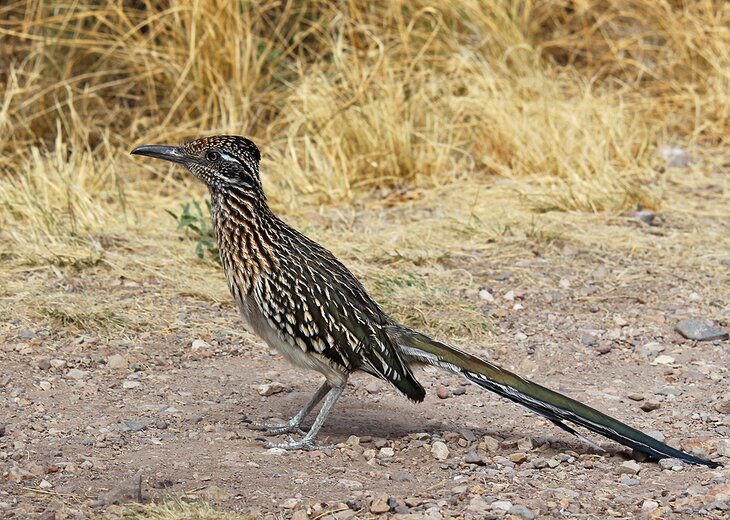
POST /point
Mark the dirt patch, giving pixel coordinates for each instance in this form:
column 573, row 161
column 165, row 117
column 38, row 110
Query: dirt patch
column 127, row 370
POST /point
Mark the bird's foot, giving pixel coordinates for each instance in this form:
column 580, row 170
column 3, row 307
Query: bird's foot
column 292, row 444
column 272, row 429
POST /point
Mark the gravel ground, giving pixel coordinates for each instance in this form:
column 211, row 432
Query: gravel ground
column 93, row 420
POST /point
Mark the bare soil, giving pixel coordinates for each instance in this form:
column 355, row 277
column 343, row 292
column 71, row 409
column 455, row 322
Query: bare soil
column 587, row 316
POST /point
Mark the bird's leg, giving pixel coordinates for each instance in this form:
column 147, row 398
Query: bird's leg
column 307, row 442
column 293, row 424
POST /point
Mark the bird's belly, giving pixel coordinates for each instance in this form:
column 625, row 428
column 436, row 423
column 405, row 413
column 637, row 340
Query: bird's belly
column 293, row 353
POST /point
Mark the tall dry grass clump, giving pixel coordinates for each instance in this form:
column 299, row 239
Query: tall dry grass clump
column 573, row 96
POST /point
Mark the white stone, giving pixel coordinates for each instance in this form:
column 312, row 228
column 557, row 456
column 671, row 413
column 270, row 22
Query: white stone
column 117, row 362
column 649, row 505
column 271, row 388
column 199, row 343
column 439, row 451
column 664, row 360
column 502, row 505
column 77, row 374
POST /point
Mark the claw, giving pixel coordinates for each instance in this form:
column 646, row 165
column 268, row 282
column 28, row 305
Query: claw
column 273, row 429
column 302, row 444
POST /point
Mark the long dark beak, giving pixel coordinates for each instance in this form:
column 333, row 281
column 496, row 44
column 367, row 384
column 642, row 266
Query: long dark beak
column 168, row 153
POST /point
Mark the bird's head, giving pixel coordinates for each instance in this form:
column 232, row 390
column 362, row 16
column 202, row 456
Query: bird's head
column 220, row 161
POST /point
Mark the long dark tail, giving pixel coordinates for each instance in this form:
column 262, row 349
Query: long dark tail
column 417, row 347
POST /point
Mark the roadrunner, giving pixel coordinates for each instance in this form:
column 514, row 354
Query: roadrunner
column 304, row 303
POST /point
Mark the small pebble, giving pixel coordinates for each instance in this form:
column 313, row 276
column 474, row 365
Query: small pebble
column 671, row 464
column 723, row 447
column 380, row 505
column 649, row 505
column 700, row 330
column 270, row 389
column 675, row 156
column 521, row 511
column 442, row 392
column 502, row 505
column 77, row 374
column 650, row 406
column 439, row 451
column 630, row 468
column 472, row 457
column 117, row 362
column 664, row 360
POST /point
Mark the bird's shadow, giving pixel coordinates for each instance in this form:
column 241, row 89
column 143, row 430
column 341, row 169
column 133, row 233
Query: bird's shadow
column 364, row 418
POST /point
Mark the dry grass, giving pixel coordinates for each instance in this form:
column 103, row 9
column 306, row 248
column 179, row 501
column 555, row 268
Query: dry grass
column 570, row 97
column 176, row 509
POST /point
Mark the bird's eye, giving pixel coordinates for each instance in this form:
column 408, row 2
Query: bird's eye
column 212, row 156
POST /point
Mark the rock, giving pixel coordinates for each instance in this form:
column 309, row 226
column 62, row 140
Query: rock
column 2, row 429
column 502, row 505
column 134, row 426
column 700, row 445
column 539, row 463
column 372, row 387
column 642, row 215
column 629, row 467
column 346, row 514
column 349, row 484
column 26, row 334
column 490, row 443
column 386, row 453
column 123, row 492
column 650, row 349
column 117, row 362
column 700, row 330
column 270, row 389
column 635, row 397
column 161, row 425
column 478, row 505
column 300, row 515
column 518, row 458
column 628, row 481
column 588, row 340
column 129, row 385
column 723, row 406
column 199, row 344
column 43, row 363
column 521, row 512
column 45, row 484
column 650, row 406
column 77, row 374
column 485, row 295
column 459, row 390
column 723, row 447
column 649, row 505
column 442, row 392
column 472, row 457
column 664, row 360
column 439, row 451
column 380, row 505
column 675, row 156
column 671, row 464
column 655, row 435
